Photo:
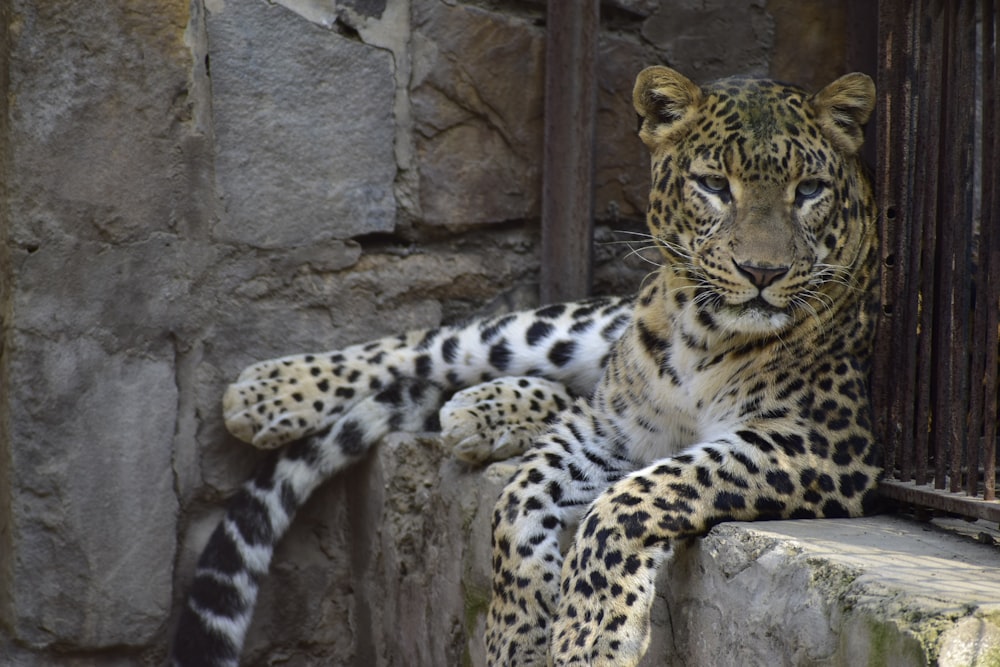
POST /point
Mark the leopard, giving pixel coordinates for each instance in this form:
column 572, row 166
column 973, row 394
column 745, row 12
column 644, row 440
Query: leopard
column 740, row 389
column 732, row 387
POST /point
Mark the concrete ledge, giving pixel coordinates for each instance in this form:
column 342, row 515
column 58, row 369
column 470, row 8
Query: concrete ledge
column 881, row 590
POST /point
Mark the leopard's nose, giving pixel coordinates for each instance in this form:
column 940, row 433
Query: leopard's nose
column 761, row 276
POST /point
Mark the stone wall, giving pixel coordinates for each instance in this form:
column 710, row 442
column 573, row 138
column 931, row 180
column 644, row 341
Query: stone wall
column 193, row 185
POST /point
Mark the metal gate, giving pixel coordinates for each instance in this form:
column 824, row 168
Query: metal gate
column 935, row 374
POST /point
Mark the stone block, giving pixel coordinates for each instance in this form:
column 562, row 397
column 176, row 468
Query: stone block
column 91, row 509
column 689, row 32
column 97, row 100
column 304, row 128
column 880, row 590
column 91, row 408
column 477, row 96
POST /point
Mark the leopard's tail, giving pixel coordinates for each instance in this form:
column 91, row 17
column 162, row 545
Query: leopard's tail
column 215, row 618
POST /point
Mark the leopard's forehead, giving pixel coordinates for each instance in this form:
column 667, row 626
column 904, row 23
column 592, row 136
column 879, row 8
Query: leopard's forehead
column 746, row 87
column 760, row 108
column 756, row 129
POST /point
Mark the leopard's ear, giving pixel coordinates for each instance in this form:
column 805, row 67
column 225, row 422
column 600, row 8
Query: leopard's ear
column 843, row 108
column 665, row 101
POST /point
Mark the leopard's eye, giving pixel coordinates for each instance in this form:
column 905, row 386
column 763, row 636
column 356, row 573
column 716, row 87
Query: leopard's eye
column 808, row 188
column 714, row 183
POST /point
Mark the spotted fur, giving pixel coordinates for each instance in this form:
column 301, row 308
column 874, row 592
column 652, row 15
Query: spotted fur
column 739, row 389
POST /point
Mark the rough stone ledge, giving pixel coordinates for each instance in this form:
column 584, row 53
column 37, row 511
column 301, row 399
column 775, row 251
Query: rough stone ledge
column 389, row 566
column 881, row 590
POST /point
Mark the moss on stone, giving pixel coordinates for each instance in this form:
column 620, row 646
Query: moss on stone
column 476, row 603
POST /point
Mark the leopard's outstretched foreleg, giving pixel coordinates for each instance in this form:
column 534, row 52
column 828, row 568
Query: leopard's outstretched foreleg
column 281, row 400
column 214, row 621
column 609, row 574
column 500, row 419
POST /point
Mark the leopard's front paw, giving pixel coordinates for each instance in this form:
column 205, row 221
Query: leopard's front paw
column 500, row 419
column 275, row 402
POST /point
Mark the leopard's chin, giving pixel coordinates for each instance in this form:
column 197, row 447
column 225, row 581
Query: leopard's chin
column 755, row 317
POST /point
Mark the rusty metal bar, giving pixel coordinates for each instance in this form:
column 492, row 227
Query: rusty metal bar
column 568, row 162
column 929, row 44
column 980, row 326
column 894, row 177
column 942, row 288
column 962, row 103
column 956, row 221
column 988, row 299
column 909, row 492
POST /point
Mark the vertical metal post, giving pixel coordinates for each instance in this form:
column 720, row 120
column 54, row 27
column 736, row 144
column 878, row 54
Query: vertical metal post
column 568, row 164
column 955, row 244
column 987, row 314
column 895, row 115
column 925, row 266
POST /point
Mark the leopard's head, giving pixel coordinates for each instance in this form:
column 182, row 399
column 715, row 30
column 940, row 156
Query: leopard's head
column 758, row 196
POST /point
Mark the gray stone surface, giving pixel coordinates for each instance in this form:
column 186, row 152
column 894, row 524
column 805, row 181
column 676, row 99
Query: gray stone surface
column 304, row 128
column 93, row 499
column 876, row 591
column 389, row 565
column 97, row 144
column 95, row 157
